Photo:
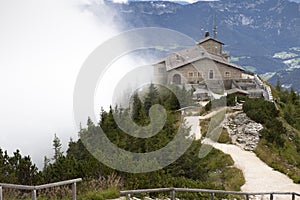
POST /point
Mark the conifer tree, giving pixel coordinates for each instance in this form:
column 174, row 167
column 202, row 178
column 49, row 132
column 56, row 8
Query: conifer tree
column 136, row 108
column 57, row 148
column 151, row 98
column 278, row 85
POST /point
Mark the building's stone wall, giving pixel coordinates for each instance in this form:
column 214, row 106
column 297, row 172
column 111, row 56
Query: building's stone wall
column 205, row 70
column 212, row 47
column 160, row 73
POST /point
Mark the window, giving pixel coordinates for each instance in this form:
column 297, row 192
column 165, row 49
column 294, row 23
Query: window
column 177, row 79
column 227, row 74
column 211, row 74
column 161, row 70
column 191, row 74
column 199, row 74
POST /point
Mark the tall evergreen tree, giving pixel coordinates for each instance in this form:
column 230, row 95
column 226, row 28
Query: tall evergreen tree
column 136, row 108
column 57, row 148
column 46, row 162
column 151, row 98
column 278, row 85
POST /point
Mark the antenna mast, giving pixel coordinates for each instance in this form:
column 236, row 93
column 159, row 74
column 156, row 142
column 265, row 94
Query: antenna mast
column 215, row 28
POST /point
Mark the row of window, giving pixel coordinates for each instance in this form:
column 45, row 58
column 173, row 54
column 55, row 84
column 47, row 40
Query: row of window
column 210, row 75
column 198, row 74
column 195, row 74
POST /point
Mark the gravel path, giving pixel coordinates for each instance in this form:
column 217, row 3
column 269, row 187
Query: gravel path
column 258, row 175
column 193, row 122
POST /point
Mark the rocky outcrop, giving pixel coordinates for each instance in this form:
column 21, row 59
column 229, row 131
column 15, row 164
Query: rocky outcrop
column 243, row 131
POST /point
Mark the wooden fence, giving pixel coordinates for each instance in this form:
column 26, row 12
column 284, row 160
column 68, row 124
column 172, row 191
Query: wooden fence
column 212, row 193
column 40, row 187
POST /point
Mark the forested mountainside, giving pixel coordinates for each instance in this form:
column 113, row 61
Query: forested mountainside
column 279, row 147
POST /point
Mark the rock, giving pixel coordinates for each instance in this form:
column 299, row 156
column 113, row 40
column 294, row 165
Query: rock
column 243, row 131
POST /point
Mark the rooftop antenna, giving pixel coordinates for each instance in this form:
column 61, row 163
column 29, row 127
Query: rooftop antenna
column 215, row 28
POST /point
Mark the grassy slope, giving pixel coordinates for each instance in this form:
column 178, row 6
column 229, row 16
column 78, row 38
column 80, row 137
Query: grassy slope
column 286, row 159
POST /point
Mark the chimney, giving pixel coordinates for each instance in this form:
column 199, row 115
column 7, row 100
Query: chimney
column 206, row 34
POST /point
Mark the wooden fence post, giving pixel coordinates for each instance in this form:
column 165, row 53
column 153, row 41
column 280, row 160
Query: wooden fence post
column 247, row 196
column 212, row 196
column 0, row 192
column 74, row 191
column 34, row 194
column 271, row 196
column 293, row 196
column 172, row 194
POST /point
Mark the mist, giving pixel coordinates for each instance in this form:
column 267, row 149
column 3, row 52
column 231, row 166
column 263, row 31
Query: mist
column 42, row 46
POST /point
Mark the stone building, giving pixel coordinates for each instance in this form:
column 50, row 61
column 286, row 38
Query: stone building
column 207, row 67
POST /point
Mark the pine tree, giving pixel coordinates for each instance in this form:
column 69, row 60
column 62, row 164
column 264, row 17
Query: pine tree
column 26, row 171
column 57, row 148
column 151, row 98
column 46, row 162
column 293, row 96
column 136, row 108
column 278, row 85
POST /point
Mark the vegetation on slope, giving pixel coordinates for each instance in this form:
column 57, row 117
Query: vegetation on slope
column 279, row 145
column 215, row 171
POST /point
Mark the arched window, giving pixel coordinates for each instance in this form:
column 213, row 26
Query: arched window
column 211, row 74
column 177, row 79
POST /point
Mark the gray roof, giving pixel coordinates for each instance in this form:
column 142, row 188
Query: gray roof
column 209, row 38
column 190, row 55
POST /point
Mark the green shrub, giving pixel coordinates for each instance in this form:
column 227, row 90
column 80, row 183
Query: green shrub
column 101, row 195
column 260, row 110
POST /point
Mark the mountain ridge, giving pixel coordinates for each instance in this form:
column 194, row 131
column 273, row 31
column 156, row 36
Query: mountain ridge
column 253, row 31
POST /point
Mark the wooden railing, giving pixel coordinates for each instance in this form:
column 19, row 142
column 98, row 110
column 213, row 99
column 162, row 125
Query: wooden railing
column 40, row 187
column 212, row 193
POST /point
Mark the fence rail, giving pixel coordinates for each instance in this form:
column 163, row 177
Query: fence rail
column 40, row 187
column 212, row 193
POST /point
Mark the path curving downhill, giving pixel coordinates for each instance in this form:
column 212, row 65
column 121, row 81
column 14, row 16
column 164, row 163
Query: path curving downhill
column 259, row 177
column 193, row 122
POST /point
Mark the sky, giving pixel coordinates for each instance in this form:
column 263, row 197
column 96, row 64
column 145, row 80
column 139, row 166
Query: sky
column 42, row 46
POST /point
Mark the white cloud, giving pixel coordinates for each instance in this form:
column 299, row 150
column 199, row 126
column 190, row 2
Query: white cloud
column 120, row 1
column 43, row 45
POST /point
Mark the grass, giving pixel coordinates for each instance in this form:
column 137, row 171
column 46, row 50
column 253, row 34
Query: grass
column 250, row 68
column 60, row 193
column 233, row 176
column 285, row 159
column 205, row 127
column 100, row 194
column 267, row 76
column 280, row 160
column 234, row 59
column 224, row 137
column 109, row 193
column 94, row 189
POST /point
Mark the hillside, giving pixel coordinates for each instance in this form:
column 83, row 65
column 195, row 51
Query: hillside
column 215, row 171
column 278, row 146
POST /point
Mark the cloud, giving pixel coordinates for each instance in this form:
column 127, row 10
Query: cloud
column 43, row 45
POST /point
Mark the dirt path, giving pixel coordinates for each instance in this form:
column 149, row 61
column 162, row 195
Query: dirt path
column 193, row 122
column 258, row 175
